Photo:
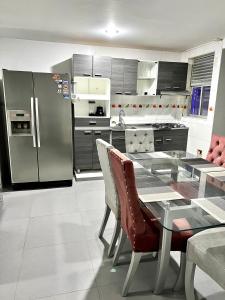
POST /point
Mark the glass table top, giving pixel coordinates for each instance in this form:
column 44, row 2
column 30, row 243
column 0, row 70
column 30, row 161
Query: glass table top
column 175, row 185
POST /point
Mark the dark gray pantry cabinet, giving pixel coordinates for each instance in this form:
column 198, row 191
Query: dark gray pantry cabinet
column 87, row 130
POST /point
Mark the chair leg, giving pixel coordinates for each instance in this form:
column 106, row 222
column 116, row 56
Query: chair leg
column 179, row 285
column 114, row 238
column 189, row 280
column 135, row 260
column 104, row 221
column 119, row 248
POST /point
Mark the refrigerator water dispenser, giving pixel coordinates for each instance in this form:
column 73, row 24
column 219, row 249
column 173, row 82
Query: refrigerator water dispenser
column 19, row 122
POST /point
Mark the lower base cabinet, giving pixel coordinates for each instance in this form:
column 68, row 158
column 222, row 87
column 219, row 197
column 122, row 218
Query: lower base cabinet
column 164, row 140
column 85, row 150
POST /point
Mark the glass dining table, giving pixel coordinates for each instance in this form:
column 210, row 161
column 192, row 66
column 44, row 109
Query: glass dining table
column 176, row 185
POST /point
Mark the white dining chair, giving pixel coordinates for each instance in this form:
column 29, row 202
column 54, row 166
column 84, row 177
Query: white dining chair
column 139, row 140
column 111, row 199
column 206, row 250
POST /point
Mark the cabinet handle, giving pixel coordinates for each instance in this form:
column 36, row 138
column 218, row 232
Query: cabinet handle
column 92, row 122
column 87, row 132
column 176, row 87
column 159, row 141
column 168, row 140
column 86, row 74
column 118, row 93
column 127, row 93
column 98, row 132
column 98, row 75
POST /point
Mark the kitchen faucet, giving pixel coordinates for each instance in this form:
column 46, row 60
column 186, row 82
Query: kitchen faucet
column 121, row 119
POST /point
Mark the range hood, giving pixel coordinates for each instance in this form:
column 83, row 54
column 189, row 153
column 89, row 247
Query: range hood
column 175, row 93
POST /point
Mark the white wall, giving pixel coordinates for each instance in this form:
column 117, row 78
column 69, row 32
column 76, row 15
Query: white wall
column 37, row 56
column 200, row 129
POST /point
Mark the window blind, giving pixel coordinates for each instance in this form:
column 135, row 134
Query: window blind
column 202, row 69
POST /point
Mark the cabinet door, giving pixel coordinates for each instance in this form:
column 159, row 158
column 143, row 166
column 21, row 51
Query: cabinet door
column 175, row 139
column 81, row 85
column 117, row 76
column 118, row 140
column 102, row 66
column 98, row 134
column 179, row 76
column 83, row 149
column 130, row 76
column 82, row 65
column 97, row 86
column 165, row 76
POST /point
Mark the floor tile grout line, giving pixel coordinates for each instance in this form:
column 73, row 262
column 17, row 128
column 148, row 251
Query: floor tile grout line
column 99, row 292
column 22, row 257
column 66, row 293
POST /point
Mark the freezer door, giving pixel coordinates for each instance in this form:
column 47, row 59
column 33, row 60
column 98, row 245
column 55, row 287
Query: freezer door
column 54, row 127
column 18, row 96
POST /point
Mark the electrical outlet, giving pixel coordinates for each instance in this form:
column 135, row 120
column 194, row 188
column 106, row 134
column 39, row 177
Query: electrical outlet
column 199, row 152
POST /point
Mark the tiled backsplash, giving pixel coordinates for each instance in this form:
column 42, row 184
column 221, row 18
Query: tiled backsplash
column 152, row 109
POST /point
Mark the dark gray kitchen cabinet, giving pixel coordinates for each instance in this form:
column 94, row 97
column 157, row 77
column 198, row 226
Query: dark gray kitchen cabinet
column 98, row 134
column 102, row 66
column 117, row 76
column 180, row 76
column 176, row 139
column 172, row 76
column 118, row 140
column 88, row 65
column 164, row 140
column 83, row 149
column 82, row 65
column 124, row 76
column 130, row 76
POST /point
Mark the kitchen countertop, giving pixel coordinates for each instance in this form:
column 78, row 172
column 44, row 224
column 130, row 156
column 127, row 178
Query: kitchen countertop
column 144, row 126
column 130, row 126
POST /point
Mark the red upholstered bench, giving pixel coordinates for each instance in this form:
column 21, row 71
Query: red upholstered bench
column 216, row 152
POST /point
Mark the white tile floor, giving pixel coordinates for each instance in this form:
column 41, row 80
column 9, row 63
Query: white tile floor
column 49, row 250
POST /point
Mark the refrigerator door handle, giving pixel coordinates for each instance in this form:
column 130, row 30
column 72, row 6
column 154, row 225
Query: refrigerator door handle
column 32, row 122
column 37, row 123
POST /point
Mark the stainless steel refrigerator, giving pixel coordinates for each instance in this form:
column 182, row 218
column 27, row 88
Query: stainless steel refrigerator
column 37, row 110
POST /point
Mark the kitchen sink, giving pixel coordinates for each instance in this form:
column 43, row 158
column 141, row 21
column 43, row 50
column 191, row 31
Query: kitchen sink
column 123, row 127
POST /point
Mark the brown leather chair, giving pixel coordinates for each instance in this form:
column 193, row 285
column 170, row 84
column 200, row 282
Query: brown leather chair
column 140, row 227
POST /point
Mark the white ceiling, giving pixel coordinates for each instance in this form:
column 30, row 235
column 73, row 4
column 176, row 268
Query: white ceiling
column 174, row 25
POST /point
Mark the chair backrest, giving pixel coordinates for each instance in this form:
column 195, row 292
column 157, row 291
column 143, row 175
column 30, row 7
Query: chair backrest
column 132, row 219
column 216, row 152
column 139, row 140
column 111, row 197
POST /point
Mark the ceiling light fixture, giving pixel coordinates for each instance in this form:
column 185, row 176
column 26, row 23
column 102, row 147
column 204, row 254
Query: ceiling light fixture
column 111, row 31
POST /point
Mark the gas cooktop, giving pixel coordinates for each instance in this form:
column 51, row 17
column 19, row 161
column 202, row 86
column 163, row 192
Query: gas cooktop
column 168, row 125
column 161, row 126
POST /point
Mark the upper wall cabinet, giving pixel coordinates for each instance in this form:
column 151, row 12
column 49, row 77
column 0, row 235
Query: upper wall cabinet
column 117, row 76
column 124, row 76
column 172, row 77
column 82, row 65
column 130, row 76
column 102, row 66
column 88, row 65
